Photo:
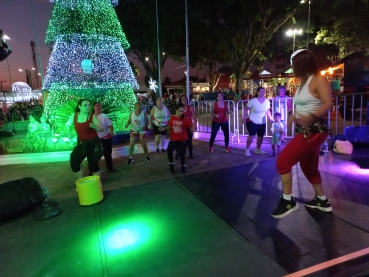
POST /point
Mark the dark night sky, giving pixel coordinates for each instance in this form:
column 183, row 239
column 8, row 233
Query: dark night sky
column 17, row 23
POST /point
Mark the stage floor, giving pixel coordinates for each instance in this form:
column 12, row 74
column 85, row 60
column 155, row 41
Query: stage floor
column 157, row 229
column 213, row 221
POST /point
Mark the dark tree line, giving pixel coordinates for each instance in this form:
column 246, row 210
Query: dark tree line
column 238, row 32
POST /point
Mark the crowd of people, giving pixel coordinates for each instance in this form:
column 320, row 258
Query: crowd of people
column 312, row 101
column 19, row 111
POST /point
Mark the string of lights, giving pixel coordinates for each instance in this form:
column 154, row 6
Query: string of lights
column 87, row 61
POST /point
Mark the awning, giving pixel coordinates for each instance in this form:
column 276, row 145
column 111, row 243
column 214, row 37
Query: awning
column 264, row 72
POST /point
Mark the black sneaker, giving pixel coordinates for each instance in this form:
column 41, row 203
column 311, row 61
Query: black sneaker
column 285, row 207
column 147, row 158
column 171, row 168
column 163, row 150
column 183, row 169
column 130, row 161
column 157, row 151
column 316, row 203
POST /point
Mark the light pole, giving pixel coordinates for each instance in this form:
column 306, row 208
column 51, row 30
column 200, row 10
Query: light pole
column 293, row 33
column 308, row 28
column 10, row 77
column 158, row 43
column 187, row 55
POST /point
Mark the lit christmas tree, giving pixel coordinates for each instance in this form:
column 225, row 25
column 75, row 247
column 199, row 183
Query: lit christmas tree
column 87, row 61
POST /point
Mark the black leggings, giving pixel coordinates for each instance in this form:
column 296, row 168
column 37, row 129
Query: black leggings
column 107, row 150
column 214, row 130
column 90, row 149
column 188, row 143
column 173, row 145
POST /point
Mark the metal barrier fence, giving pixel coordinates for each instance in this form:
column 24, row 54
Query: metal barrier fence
column 236, row 118
column 347, row 110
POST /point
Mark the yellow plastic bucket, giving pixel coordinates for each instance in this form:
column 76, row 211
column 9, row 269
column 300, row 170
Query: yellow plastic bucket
column 89, row 190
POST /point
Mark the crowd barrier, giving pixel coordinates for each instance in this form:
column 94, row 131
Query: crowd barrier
column 347, row 110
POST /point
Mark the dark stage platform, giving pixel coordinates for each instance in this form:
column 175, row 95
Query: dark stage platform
column 213, row 223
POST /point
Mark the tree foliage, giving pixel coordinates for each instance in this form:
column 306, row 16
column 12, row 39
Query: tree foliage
column 345, row 23
column 245, row 26
column 138, row 19
column 220, row 31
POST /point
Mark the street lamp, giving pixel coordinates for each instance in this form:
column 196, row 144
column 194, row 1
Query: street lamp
column 10, row 77
column 308, row 29
column 293, row 33
column 158, row 44
column 187, row 54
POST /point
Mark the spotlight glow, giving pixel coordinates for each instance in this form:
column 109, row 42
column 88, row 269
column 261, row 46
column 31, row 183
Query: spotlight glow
column 123, row 238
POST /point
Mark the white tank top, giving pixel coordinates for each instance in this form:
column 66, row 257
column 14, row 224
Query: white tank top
column 137, row 122
column 305, row 102
column 160, row 117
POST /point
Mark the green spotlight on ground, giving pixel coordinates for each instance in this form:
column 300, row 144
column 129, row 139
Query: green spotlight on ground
column 130, row 235
column 123, row 238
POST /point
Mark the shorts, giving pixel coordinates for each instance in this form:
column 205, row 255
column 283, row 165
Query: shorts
column 255, row 129
column 135, row 134
column 276, row 140
column 157, row 132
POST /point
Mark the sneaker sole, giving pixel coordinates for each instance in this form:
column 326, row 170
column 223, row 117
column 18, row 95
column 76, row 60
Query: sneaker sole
column 327, row 210
column 286, row 213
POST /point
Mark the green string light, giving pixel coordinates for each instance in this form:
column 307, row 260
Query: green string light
column 87, row 32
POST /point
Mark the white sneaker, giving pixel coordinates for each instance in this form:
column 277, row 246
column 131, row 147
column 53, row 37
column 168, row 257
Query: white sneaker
column 258, row 151
column 247, row 153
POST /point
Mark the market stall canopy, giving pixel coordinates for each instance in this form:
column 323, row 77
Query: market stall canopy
column 264, row 72
column 21, row 87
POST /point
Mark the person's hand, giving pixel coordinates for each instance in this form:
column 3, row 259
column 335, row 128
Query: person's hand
column 150, row 126
column 112, row 134
column 92, row 125
column 217, row 115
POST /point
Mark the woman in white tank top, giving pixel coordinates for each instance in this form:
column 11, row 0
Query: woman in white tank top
column 313, row 101
column 159, row 116
column 139, row 123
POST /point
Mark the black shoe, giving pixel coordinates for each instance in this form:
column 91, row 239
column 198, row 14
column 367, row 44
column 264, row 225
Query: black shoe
column 163, row 150
column 171, row 168
column 157, row 151
column 183, row 169
column 316, row 203
column 130, row 161
column 285, row 207
column 147, row 158
column 177, row 156
column 112, row 170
